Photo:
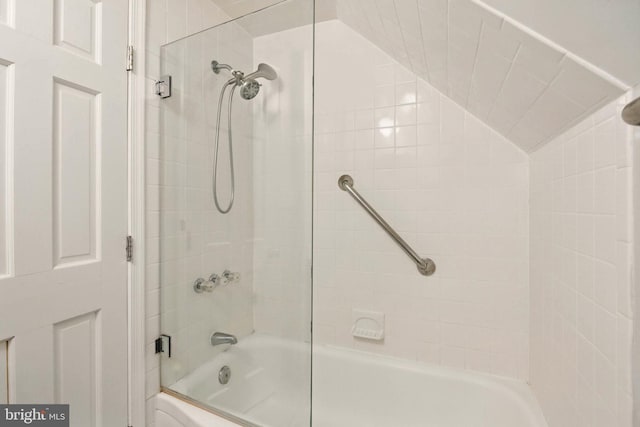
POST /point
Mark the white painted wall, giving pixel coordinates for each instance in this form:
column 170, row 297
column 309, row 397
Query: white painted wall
column 581, row 273
column 453, row 188
column 605, row 33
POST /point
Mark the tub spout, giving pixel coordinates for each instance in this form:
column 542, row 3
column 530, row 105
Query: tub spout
column 218, row 338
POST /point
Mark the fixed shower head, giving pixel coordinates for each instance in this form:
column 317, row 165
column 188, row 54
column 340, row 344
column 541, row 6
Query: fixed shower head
column 249, row 87
column 264, row 71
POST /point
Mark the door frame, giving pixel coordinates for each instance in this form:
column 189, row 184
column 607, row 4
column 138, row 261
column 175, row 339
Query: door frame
column 137, row 216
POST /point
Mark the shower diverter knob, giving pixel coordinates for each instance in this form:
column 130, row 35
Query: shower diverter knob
column 229, row 277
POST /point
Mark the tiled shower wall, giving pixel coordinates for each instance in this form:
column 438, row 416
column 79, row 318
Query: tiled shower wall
column 282, row 147
column 166, row 21
column 453, row 188
column 581, row 273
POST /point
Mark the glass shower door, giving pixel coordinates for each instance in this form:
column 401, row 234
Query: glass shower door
column 236, row 286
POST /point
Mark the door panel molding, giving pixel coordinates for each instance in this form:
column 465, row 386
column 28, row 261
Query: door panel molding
column 63, row 277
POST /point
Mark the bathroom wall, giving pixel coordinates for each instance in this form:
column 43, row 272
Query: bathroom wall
column 581, row 273
column 453, row 188
column 166, row 21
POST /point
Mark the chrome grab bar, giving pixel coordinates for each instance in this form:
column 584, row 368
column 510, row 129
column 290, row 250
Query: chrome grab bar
column 426, row 266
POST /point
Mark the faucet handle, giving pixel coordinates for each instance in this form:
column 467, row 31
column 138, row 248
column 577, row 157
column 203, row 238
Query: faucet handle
column 215, row 280
column 230, row 277
column 201, row 285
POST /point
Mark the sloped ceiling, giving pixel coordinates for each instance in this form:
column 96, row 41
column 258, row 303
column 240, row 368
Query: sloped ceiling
column 605, row 33
column 524, row 86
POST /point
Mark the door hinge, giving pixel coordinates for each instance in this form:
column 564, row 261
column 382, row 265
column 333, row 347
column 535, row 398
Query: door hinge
column 160, row 344
column 129, row 58
column 129, row 248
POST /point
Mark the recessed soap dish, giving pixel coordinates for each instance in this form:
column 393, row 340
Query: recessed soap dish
column 368, row 325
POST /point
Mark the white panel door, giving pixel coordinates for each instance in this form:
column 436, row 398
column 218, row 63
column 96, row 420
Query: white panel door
column 63, row 205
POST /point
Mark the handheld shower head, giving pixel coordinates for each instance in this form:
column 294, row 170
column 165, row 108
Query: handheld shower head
column 263, row 71
column 249, row 88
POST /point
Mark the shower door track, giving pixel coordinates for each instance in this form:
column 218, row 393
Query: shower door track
column 226, row 415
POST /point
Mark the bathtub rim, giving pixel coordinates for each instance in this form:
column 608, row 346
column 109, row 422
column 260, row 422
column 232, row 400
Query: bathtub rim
column 518, row 391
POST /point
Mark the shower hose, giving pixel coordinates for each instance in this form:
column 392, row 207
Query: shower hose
column 217, row 146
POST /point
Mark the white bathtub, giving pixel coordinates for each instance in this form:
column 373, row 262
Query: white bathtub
column 269, row 386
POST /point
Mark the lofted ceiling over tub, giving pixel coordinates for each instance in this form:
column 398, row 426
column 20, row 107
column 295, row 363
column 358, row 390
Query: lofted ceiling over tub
column 527, row 86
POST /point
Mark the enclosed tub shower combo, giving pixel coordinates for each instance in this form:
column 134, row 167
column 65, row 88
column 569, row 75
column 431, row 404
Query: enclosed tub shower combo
column 400, row 213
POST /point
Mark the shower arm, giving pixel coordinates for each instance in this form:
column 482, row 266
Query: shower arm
column 216, row 67
column 238, row 76
column 426, row 266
